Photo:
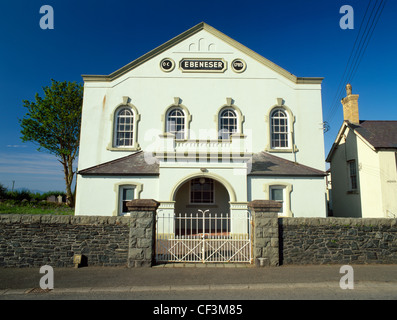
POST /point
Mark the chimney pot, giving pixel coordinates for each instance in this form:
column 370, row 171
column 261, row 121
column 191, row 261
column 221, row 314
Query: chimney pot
column 348, row 89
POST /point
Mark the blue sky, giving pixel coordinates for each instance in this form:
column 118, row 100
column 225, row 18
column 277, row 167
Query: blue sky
column 99, row 37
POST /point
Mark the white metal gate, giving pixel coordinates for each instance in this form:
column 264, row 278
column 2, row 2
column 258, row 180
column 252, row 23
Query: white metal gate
column 203, row 237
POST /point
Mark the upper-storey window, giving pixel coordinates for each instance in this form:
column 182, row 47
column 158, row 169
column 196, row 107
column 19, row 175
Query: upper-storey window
column 176, row 123
column 124, row 131
column 124, row 119
column 227, row 123
column 279, row 129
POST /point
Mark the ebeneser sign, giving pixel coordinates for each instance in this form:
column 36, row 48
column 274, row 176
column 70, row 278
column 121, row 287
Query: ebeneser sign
column 202, row 65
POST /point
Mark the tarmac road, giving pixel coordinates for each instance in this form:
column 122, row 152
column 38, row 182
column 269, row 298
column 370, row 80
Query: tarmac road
column 303, row 292
column 202, row 282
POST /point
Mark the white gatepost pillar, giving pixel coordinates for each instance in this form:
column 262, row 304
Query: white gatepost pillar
column 165, row 219
column 239, row 219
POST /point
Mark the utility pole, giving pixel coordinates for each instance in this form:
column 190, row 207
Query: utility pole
column 13, row 182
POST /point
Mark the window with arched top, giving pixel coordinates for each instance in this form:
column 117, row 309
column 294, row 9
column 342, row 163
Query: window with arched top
column 279, row 129
column 124, row 127
column 227, row 123
column 176, row 123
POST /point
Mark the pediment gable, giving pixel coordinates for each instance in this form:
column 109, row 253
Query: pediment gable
column 205, row 46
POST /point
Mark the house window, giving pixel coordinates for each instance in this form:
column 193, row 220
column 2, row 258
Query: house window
column 227, row 123
column 176, row 123
column 124, row 128
column 202, row 190
column 126, row 194
column 279, row 129
column 277, row 194
column 352, row 174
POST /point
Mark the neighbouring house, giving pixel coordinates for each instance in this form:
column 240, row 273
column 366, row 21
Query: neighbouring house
column 363, row 163
column 201, row 123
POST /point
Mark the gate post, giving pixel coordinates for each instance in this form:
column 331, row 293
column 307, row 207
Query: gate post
column 265, row 232
column 141, row 245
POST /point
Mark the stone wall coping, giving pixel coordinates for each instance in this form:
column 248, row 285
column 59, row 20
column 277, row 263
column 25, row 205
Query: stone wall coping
column 347, row 222
column 264, row 205
column 59, row 219
column 104, row 220
column 142, row 205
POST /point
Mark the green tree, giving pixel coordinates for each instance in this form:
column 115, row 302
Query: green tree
column 53, row 123
column 3, row 191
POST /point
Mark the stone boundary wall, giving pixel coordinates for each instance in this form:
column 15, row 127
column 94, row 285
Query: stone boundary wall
column 37, row 240
column 337, row 241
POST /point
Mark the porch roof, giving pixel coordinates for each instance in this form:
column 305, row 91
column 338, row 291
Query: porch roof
column 266, row 164
column 131, row 165
column 263, row 164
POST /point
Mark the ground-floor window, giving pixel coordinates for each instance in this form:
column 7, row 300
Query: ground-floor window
column 277, row 193
column 126, row 194
column 352, row 175
column 202, row 190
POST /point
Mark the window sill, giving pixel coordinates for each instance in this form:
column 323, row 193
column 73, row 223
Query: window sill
column 123, row 148
column 281, row 150
column 289, row 150
column 353, row 192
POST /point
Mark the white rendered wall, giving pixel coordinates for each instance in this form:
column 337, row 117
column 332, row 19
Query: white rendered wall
column 151, row 91
column 99, row 196
column 254, row 91
column 307, row 197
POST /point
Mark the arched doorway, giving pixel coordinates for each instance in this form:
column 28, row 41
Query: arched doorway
column 202, row 193
column 202, row 207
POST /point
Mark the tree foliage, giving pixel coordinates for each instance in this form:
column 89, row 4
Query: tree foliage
column 53, row 123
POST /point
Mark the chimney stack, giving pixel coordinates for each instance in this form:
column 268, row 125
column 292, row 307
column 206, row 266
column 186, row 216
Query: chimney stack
column 350, row 106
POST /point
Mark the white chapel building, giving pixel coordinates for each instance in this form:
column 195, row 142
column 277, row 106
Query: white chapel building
column 201, row 123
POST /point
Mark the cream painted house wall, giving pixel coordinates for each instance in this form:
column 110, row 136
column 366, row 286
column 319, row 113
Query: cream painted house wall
column 388, row 175
column 346, row 203
column 376, row 195
column 370, row 182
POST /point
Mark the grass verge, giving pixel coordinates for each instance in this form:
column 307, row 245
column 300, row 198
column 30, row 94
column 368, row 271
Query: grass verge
column 17, row 207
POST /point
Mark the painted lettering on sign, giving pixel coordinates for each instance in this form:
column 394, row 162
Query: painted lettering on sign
column 203, row 65
column 167, row 65
column 238, row 65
